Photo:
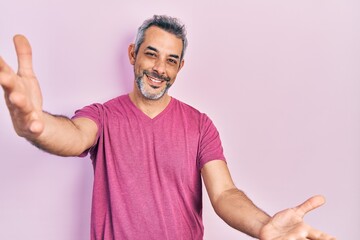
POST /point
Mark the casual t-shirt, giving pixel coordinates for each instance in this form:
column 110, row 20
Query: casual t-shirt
column 147, row 181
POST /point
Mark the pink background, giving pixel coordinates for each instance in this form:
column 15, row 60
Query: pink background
column 280, row 79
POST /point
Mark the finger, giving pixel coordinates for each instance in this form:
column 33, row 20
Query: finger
column 24, row 54
column 36, row 127
column 6, row 74
column 18, row 100
column 316, row 234
column 3, row 66
column 310, row 204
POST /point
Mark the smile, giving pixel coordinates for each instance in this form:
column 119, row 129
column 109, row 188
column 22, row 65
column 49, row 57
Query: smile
column 155, row 80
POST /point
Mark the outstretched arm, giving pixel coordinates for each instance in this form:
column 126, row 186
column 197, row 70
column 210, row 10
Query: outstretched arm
column 55, row 134
column 231, row 204
column 237, row 210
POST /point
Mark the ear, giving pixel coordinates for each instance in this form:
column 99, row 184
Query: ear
column 131, row 53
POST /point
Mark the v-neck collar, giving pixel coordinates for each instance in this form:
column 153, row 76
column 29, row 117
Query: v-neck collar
column 142, row 115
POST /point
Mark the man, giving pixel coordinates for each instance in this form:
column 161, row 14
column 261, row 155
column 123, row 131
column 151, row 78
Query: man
column 149, row 150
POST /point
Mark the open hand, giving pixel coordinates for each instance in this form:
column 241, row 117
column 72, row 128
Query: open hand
column 22, row 91
column 289, row 224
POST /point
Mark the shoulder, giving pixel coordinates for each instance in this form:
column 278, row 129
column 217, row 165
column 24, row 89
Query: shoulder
column 99, row 109
column 116, row 101
column 117, row 105
column 179, row 105
column 191, row 113
column 190, row 108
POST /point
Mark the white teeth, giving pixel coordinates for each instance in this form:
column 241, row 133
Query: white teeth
column 154, row 80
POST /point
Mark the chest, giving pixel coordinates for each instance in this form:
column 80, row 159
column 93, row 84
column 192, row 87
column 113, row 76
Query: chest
column 167, row 150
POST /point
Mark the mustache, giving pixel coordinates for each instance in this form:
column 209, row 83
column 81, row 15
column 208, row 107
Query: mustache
column 155, row 75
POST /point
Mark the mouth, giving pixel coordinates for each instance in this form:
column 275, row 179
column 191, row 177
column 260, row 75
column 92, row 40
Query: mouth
column 154, row 82
column 153, row 79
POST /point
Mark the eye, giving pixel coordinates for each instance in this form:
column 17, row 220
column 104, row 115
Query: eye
column 150, row 54
column 172, row 61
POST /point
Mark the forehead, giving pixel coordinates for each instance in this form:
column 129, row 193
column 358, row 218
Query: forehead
column 162, row 40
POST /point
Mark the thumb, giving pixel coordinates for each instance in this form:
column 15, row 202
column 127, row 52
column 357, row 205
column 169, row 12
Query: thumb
column 24, row 54
column 309, row 205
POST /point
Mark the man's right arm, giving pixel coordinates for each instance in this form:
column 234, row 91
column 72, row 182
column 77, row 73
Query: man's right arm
column 55, row 134
column 66, row 137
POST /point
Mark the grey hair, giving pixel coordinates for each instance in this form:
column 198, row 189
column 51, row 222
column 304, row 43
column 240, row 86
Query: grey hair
column 169, row 24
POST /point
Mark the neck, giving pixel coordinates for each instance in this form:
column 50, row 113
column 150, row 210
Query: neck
column 151, row 108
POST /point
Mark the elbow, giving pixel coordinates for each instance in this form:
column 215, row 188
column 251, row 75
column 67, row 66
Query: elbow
column 222, row 202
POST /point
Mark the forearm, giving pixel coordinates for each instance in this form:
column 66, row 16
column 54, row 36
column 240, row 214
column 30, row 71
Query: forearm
column 60, row 136
column 237, row 210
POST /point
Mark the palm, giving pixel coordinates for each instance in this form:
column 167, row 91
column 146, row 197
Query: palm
column 22, row 91
column 284, row 222
column 289, row 224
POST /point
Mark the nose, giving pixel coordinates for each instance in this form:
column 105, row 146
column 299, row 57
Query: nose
column 160, row 67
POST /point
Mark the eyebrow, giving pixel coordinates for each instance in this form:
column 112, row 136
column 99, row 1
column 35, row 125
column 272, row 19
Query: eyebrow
column 174, row 56
column 155, row 50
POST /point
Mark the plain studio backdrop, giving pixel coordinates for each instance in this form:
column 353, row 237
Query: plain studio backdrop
column 280, row 79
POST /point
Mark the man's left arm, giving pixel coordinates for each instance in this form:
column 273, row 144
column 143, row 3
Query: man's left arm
column 229, row 203
column 237, row 210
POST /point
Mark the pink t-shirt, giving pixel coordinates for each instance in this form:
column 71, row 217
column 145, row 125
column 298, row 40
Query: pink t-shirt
column 147, row 182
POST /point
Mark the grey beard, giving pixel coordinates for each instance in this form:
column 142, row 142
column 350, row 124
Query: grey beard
column 150, row 96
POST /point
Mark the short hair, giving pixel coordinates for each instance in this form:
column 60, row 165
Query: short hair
column 170, row 24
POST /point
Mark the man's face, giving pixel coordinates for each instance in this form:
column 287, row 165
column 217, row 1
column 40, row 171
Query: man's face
column 157, row 62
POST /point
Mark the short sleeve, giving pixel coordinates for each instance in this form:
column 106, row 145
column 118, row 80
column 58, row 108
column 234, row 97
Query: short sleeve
column 210, row 147
column 95, row 113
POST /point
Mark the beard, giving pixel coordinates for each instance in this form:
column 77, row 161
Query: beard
column 145, row 89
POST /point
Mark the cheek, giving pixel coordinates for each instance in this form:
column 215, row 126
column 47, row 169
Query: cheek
column 138, row 68
column 172, row 74
column 139, row 63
